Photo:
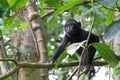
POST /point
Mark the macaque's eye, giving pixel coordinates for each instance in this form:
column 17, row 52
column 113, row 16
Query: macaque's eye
column 69, row 25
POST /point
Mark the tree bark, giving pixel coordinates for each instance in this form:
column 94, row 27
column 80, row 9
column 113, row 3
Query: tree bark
column 31, row 45
column 38, row 32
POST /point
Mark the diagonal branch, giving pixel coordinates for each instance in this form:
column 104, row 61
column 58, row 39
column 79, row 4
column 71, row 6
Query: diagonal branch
column 7, row 74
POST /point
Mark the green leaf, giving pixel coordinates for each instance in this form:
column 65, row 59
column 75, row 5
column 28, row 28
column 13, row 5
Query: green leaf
column 16, row 4
column 11, row 47
column 24, row 25
column 75, row 46
column 62, row 56
column 117, row 70
column 11, row 2
column 108, row 3
column 21, row 3
column 90, row 10
column 110, row 17
column 107, row 53
column 51, row 21
column 3, row 4
column 42, row 1
column 67, row 6
column 10, row 56
column 112, row 30
column 8, row 22
column 53, row 3
column 8, row 78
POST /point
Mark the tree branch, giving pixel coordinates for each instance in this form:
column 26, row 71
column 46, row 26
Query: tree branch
column 41, row 65
column 6, row 59
column 50, row 65
column 7, row 74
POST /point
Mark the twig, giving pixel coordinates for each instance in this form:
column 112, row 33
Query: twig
column 75, row 70
column 88, row 37
column 82, row 73
column 6, row 59
column 97, row 58
column 80, row 61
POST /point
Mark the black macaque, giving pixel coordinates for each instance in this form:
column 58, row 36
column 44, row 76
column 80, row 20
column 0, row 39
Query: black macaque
column 74, row 33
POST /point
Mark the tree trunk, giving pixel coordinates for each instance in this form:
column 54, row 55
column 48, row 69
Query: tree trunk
column 38, row 33
column 31, row 45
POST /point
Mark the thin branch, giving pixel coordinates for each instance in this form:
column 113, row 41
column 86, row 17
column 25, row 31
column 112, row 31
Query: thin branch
column 97, row 58
column 82, row 73
column 7, row 59
column 80, row 61
column 75, row 70
column 92, row 2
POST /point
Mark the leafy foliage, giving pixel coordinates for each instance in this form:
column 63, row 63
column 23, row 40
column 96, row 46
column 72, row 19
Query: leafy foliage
column 3, row 3
column 75, row 46
column 108, row 3
column 55, row 5
column 69, row 5
column 55, row 12
column 16, row 4
column 60, row 59
column 107, row 53
column 112, row 30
